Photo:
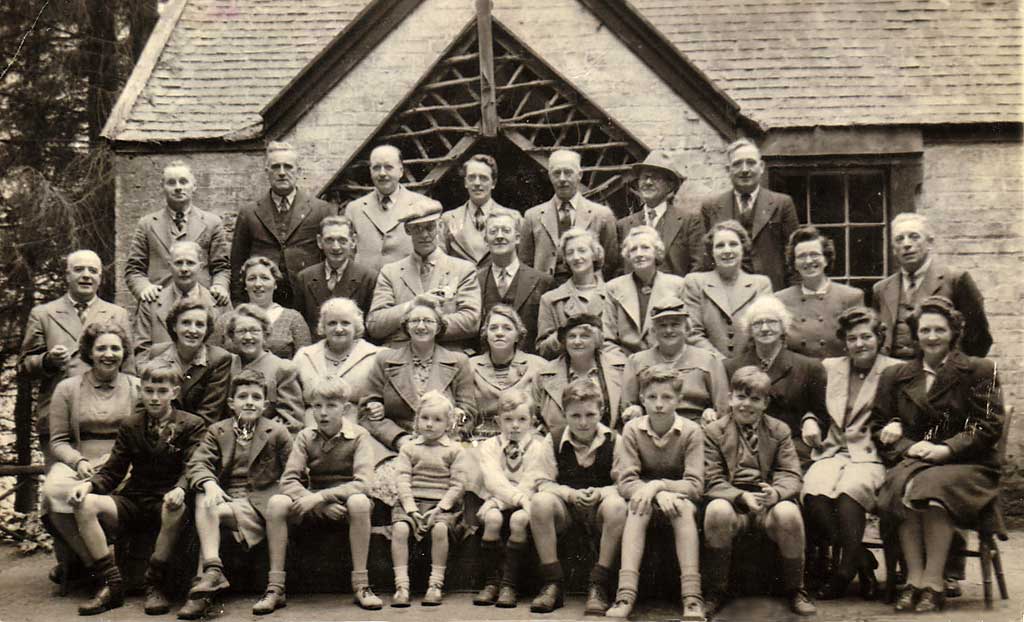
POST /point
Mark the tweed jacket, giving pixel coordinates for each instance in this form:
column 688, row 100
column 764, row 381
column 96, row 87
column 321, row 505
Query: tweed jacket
column 293, row 250
column 355, row 369
column 204, row 391
column 554, row 376
column 63, row 426
column 524, row 295
column 459, row 242
column 391, row 383
column 813, row 331
column 56, row 323
column 539, row 243
column 713, row 322
column 780, row 466
column 399, row 282
column 774, row 221
column 849, row 425
column 555, row 307
column 522, row 374
column 681, row 230
column 939, row 280
column 151, row 318
column 284, row 391
column 269, row 449
column 382, row 239
column 622, row 322
column 963, row 409
column 149, row 252
column 356, row 283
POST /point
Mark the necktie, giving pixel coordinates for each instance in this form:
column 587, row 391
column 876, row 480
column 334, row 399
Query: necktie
column 652, row 216
column 333, row 276
column 426, row 268
column 746, row 213
column 504, row 281
column 564, row 217
column 385, row 203
column 179, row 220
column 911, row 282
column 284, row 205
column 750, row 434
column 479, row 218
column 81, row 308
column 513, row 456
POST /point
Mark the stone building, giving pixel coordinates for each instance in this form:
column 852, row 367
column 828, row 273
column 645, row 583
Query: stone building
column 863, row 110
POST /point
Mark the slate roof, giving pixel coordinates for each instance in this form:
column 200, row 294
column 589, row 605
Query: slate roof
column 788, row 63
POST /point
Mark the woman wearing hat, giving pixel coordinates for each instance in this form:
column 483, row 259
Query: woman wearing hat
column 705, row 386
column 580, row 339
column 937, row 420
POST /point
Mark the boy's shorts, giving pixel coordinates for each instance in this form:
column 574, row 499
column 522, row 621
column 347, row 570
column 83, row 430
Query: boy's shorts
column 250, row 524
column 450, row 519
column 137, row 511
column 316, row 519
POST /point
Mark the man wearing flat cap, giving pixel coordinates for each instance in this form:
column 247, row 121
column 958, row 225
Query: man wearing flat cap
column 427, row 273
column 659, row 181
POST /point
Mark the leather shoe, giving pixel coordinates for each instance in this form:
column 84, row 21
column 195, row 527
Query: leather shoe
column 597, row 600
column 487, row 596
column 211, row 582
column 800, row 603
column 868, row 584
column 401, row 597
column 929, row 601
column 272, row 601
column 906, row 598
column 953, row 589
column 365, row 598
column 433, row 596
column 156, row 603
column 549, row 599
column 693, row 609
column 622, row 608
column 106, row 598
column 834, row 588
column 713, row 603
column 194, row 608
column 507, row 597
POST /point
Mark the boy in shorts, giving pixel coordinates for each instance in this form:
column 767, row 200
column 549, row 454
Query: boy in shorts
column 431, row 480
column 753, row 478
column 575, row 488
column 235, row 472
column 155, row 443
column 336, row 458
column 659, row 467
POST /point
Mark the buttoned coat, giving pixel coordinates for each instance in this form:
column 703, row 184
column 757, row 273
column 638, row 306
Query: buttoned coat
column 815, row 318
column 293, row 251
column 850, row 428
column 939, row 280
column 554, row 376
column 776, row 457
column 355, row 369
column 622, row 322
column 391, row 383
column 539, row 244
column 774, row 221
column 682, row 233
column 399, row 282
column 356, row 284
column 382, row 239
column 149, row 252
column 56, row 323
column 204, row 390
column 454, row 238
column 713, row 322
column 151, row 318
column 269, row 449
column 522, row 374
column 525, row 292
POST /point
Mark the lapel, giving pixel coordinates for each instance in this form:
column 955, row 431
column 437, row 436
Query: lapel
column 613, row 383
column 933, row 280
column 65, row 316
column 523, row 285
column 584, row 214
column 411, row 276
column 764, row 208
column 458, row 236
column 781, row 366
column 914, row 384
column 485, row 371
column 265, row 214
column 259, row 441
column 384, row 222
column 889, row 296
column 670, row 224
column 549, row 218
column 195, row 225
column 299, row 212
column 398, row 367
column 439, row 273
column 444, row 369
column 162, row 228
column 625, row 292
column 948, row 377
column 837, row 389
column 731, row 446
column 869, row 388
column 553, row 380
column 317, row 283
column 766, row 446
column 314, row 356
column 359, row 352
column 714, row 289
column 226, row 440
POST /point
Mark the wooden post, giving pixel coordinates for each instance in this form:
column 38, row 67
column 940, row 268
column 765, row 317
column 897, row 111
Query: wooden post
column 488, row 97
column 25, row 499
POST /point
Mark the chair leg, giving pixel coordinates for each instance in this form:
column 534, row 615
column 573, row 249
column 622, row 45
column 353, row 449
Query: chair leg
column 997, row 563
column 985, row 557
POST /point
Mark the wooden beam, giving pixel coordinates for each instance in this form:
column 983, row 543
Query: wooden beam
column 488, row 96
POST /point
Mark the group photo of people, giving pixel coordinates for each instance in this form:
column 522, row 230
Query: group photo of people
column 512, row 376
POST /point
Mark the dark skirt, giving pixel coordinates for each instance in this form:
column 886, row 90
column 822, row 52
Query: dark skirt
column 963, row 489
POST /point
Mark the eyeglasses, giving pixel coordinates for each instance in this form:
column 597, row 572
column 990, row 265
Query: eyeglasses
column 427, row 321
column 807, row 256
column 766, row 323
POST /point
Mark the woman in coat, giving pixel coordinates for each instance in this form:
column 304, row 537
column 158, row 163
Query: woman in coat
column 816, row 302
column 840, row 486
column 716, row 299
column 938, row 420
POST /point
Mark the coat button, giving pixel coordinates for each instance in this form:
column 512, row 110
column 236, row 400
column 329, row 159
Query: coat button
column 803, row 319
column 869, row 449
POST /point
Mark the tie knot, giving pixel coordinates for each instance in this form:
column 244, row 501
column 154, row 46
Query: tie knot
column 385, row 203
column 284, row 204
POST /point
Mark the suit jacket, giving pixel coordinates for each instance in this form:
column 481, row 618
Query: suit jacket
column 622, row 321
column 524, row 294
column 356, row 283
column 813, row 331
column 293, row 251
column 355, row 369
column 56, row 323
column 284, row 392
column 269, row 449
column 149, row 252
column 204, row 391
column 780, row 466
column 681, row 230
column 539, row 243
column 391, row 383
column 963, row 409
column 939, row 280
column 522, row 374
column 774, row 221
column 554, row 377
column 399, row 282
column 850, row 429
column 151, row 318
column 713, row 322
column 382, row 239
column 459, row 242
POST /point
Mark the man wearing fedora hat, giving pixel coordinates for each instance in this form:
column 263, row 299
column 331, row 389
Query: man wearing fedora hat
column 450, row 283
column 658, row 182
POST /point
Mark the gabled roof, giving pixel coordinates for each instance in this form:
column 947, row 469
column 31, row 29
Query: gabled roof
column 801, row 63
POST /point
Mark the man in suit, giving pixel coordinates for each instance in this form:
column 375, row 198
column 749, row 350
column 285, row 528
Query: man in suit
column 339, row 275
column 679, row 226
column 921, row 275
column 376, row 216
column 545, row 223
column 463, row 228
column 508, row 281
column 49, row 350
column 282, row 226
column 427, row 274
column 148, row 265
column 769, row 217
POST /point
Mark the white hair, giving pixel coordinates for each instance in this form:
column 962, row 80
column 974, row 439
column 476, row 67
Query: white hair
column 764, row 307
column 912, row 217
column 566, row 153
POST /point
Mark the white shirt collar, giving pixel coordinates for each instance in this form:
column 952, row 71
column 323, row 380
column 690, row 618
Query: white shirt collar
column 753, row 196
column 432, row 258
column 598, row 440
column 185, row 212
column 276, row 198
column 574, row 201
column 512, row 269
column 816, row 292
column 328, row 270
column 645, row 425
column 444, row 441
column 919, row 273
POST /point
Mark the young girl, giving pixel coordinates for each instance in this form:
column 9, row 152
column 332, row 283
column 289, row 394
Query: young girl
column 431, row 480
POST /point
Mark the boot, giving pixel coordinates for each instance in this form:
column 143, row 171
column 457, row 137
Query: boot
column 598, row 592
column 507, row 597
column 715, row 564
column 490, row 558
column 156, row 601
column 793, row 581
column 211, row 581
column 111, row 593
column 272, row 600
column 625, row 597
column 550, row 596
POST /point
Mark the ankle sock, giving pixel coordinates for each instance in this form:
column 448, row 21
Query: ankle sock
column 436, row 576
column 401, row 577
